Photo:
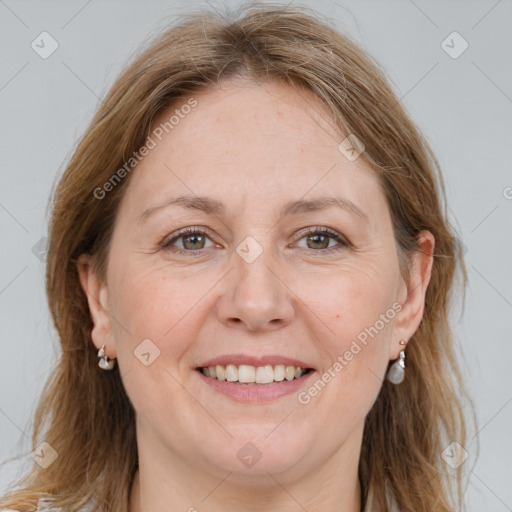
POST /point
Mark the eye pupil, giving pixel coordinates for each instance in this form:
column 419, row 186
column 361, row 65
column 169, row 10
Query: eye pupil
column 324, row 238
column 192, row 237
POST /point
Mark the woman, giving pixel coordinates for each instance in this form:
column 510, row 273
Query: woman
column 250, row 270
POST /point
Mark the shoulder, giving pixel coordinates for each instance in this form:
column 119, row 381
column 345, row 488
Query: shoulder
column 47, row 504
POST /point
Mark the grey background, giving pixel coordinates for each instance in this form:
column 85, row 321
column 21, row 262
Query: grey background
column 463, row 105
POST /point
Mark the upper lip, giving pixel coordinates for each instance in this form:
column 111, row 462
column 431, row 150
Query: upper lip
column 238, row 359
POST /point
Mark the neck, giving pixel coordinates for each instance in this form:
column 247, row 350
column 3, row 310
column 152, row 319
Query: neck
column 164, row 481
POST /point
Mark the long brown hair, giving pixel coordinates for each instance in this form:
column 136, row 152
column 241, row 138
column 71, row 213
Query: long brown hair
column 84, row 412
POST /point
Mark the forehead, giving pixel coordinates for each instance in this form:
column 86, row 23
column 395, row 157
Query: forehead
column 247, row 141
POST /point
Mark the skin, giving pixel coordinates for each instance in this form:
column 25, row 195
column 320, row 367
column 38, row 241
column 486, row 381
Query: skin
column 253, row 147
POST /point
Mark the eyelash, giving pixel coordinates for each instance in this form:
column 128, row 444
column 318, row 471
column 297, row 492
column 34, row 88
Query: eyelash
column 342, row 242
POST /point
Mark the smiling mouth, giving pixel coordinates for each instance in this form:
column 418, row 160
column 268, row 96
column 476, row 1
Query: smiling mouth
column 247, row 374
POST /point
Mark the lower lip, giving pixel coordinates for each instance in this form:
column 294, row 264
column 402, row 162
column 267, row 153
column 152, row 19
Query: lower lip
column 256, row 392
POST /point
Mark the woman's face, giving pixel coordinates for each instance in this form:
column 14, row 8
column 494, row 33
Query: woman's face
column 289, row 259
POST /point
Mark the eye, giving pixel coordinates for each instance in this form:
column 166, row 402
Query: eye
column 192, row 240
column 320, row 239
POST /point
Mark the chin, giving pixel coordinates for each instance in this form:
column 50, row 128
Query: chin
column 263, row 452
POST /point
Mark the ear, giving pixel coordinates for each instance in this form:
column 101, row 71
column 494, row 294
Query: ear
column 97, row 297
column 413, row 293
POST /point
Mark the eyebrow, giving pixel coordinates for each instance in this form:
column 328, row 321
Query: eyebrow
column 213, row 207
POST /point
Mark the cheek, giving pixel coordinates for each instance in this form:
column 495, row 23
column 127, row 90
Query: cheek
column 151, row 304
column 356, row 306
column 158, row 313
column 366, row 313
column 358, row 315
column 351, row 302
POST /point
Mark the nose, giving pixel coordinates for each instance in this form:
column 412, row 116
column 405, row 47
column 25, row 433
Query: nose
column 256, row 296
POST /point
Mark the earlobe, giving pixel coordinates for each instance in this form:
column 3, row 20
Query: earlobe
column 415, row 290
column 97, row 298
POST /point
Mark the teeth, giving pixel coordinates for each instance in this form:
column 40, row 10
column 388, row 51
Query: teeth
column 289, row 372
column 231, row 373
column 264, row 374
column 279, row 372
column 221, row 372
column 247, row 374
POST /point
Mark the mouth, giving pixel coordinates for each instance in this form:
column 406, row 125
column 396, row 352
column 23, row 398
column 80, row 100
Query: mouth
column 250, row 379
column 245, row 374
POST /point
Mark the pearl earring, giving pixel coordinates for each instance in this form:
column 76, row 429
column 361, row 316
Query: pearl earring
column 105, row 363
column 396, row 372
